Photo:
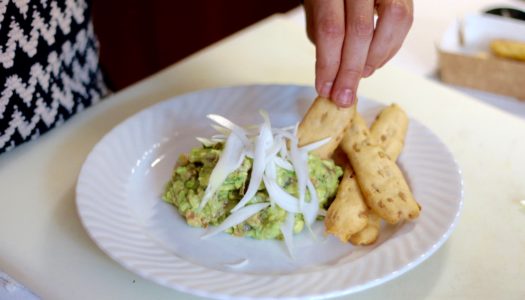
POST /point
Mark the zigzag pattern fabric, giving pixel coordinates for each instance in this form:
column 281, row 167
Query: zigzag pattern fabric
column 49, row 67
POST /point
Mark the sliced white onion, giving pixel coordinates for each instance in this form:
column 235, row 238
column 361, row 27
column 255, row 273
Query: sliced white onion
column 283, row 163
column 273, row 154
column 219, row 136
column 221, row 130
column 287, row 231
column 315, row 145
column 238, row 264
column 283, row 152
column 288, row 128
column 236, row 218
column 271, row 173
column 249, row 154
column 280, row 196
column 231, row 158
column 235, row 129
column 276, row 146
column 206, row 142
column 222, row 121
column 285, row 133
column 264, row 141
column 300, row 164
column 268, row 147
column 311, row 209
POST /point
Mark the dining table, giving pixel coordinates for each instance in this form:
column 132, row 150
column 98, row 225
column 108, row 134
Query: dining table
column 44, row 246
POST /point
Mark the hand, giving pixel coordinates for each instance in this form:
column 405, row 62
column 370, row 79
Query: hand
column 347, row 45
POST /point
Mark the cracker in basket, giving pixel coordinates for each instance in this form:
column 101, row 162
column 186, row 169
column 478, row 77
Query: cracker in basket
column 508, row 49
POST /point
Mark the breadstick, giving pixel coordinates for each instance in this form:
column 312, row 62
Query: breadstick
column 324, row 119
column 370, row 233
column 389, row 130
column 347, row 214
column 380, row 179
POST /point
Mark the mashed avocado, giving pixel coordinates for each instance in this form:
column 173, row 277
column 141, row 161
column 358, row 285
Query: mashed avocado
column 190, row 178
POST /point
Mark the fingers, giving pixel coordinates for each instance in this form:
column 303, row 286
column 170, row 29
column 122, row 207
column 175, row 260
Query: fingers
column 359, row 32
column 395, row 19
column 347, row 46
column 327, row 32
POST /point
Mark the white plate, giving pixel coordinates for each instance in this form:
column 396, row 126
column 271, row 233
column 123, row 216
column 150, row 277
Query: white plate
column 118, row 200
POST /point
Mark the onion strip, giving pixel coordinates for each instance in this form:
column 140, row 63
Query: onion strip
column 263, row 141
column 230, row 159
column 236, row 218
column 287, row 232
column 281, row 197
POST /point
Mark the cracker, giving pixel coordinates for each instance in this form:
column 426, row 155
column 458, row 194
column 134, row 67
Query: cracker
column 347, row 214
column 324, row 119
column 381, row 181
column 389, row 130
column 370, row 233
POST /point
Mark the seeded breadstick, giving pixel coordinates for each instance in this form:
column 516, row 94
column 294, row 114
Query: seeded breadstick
column 369, row 234
column 347, row 214
column 324, row 119
column 508, row 49
column 380, row 179
column 389, row 130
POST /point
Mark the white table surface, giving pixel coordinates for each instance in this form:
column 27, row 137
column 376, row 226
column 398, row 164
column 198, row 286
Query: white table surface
column 44, row 246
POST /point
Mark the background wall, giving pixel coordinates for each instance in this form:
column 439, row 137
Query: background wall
column 138, row 37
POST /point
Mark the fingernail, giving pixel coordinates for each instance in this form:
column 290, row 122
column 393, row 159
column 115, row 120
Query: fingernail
column 326, row 89
column 345, row 98
column 368, row 71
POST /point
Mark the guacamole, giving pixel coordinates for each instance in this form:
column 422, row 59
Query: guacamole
column 190, row 179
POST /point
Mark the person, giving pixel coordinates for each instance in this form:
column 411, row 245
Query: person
column 348, row 47
column 49, row 66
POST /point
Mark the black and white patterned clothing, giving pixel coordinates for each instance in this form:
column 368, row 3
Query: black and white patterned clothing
column 49, row 67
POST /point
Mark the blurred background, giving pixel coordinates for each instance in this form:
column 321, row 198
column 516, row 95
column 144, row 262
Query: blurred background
column 139, row 38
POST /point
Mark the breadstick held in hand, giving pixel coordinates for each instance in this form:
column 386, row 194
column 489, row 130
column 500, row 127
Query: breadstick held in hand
column 347, row 213
column 324, row 119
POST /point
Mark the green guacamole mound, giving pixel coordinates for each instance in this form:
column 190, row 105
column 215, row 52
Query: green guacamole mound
column 190, row 178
